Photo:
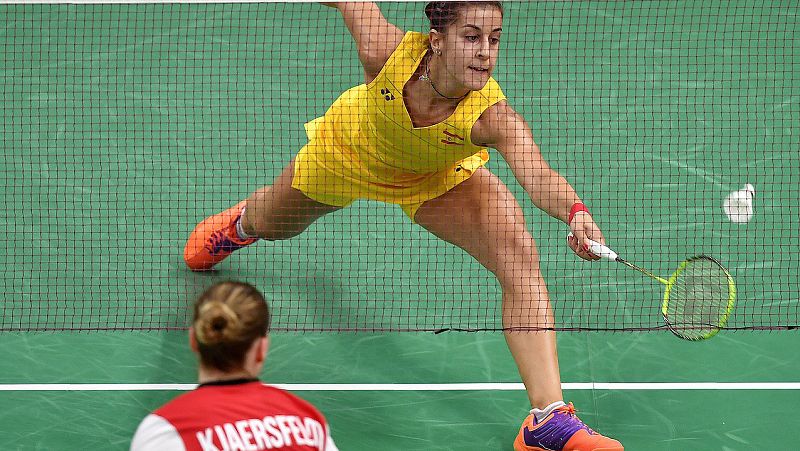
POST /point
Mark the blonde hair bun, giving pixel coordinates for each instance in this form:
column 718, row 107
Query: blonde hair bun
column 216, row 323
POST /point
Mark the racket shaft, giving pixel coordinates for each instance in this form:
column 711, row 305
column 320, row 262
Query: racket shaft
column 643, row 271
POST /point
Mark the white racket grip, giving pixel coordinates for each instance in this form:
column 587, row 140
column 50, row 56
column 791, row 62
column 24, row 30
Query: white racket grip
column 600, row 250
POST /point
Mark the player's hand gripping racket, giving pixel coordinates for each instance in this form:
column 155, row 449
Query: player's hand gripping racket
column 698, row 298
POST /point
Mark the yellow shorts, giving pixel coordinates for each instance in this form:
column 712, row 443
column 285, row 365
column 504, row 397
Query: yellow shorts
column 331, row 181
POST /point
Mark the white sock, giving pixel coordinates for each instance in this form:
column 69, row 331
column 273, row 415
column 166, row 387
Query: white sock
column 240, row 230
column 543, row 413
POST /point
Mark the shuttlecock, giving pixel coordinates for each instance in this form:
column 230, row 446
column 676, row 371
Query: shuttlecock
column 738, row 205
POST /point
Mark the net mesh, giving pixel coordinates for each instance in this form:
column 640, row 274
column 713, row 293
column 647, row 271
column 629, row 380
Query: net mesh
column 124, row 125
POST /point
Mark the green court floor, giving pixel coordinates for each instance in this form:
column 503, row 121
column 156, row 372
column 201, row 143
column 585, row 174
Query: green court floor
column 385, row 419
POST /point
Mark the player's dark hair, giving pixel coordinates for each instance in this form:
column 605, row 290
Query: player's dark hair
column 444, row 14
column 228, row 318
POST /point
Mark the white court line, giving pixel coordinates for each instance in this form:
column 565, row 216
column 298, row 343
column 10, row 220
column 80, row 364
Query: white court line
column 426, row 387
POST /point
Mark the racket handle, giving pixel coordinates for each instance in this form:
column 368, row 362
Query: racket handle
column 601, row 250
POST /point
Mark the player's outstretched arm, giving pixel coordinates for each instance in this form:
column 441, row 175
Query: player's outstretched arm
column 504, row 129
column 375, row 37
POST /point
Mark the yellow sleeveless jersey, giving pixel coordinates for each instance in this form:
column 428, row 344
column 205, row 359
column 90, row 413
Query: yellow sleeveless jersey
column 365, row 146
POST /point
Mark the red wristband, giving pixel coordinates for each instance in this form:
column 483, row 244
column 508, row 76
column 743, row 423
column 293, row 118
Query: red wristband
column 576, row 207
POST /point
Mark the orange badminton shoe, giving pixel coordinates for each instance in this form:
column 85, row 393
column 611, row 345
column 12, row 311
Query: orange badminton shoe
column 562, row 430
column 214, row 239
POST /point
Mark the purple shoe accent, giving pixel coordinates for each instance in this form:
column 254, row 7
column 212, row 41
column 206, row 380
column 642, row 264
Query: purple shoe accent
column 222, row 244
column 556, row 430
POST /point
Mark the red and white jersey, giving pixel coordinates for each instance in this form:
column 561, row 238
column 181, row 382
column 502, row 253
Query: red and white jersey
column 242, row 415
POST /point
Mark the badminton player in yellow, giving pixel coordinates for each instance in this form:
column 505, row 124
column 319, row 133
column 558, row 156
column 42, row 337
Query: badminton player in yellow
column 416, row 135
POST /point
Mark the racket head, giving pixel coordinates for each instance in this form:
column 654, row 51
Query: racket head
column 699, row 298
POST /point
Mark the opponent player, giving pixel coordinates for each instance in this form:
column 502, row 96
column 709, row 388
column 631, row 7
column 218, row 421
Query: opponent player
column 232, row 409
column 416, row 135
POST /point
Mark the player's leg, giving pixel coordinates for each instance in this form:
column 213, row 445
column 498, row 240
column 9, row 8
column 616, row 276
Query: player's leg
column 273, row 213
column 280, row 212
column 482, row 217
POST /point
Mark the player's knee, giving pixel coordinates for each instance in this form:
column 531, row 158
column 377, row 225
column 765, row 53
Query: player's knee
column 519, row 245
column 517, row 258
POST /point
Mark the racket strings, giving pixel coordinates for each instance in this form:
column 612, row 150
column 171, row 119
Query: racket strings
column 698, row 300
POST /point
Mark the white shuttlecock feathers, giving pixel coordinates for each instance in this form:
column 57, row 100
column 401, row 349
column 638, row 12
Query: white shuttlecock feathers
column 738, row 205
